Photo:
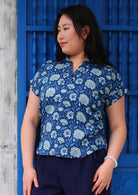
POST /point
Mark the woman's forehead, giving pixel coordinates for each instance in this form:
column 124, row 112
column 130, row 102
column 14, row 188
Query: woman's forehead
column 64, row 20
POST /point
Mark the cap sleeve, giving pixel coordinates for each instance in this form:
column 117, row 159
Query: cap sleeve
column 115, row 89
column 36, row 82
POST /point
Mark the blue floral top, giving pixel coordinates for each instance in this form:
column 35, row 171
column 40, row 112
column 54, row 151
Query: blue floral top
column 72, row 106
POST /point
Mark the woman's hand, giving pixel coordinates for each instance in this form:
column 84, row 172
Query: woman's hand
column 29, row 177
column 103, row 176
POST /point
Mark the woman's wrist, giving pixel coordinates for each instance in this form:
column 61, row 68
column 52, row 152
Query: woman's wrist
column 28, row 165
column 109, row 163
column 111, row 159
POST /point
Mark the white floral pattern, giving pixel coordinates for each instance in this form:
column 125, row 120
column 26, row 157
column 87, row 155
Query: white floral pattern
column 50, row 92
column 72, row 106
column 78, row 134
column 84, row 99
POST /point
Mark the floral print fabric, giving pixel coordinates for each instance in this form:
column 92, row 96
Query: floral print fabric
column 72, row 106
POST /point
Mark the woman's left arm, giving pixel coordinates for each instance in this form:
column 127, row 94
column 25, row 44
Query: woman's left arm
column 117, row 123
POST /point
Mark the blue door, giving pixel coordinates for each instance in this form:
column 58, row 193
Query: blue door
column 118, row 21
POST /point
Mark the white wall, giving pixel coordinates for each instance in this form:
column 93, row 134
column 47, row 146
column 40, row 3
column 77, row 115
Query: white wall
column 8, row 97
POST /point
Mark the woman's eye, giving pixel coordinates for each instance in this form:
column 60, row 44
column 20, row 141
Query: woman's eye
column 66, row 28
column 59, row 30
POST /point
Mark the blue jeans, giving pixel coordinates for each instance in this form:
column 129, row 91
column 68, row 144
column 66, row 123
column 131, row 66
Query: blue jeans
column 64, row 176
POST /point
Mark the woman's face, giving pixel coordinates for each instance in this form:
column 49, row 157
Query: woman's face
column 71, row 44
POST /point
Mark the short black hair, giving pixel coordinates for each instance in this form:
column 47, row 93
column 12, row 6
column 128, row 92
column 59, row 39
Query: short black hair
column 81, row 16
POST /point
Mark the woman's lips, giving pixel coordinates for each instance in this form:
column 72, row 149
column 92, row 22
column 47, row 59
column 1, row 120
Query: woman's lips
column 62, row 43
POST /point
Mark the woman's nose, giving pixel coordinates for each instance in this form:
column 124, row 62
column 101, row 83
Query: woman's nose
column 60, row 35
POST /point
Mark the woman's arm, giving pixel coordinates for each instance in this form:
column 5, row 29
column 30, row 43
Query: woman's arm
column 28, row 137
column 117, row 122
column 116, row 117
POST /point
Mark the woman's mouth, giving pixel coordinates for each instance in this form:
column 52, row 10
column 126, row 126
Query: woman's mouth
column 62, row 43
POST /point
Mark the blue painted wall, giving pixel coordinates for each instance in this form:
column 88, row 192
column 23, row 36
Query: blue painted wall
column 118, row 21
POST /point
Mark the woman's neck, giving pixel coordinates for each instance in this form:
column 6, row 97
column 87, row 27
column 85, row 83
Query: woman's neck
column 77, row 60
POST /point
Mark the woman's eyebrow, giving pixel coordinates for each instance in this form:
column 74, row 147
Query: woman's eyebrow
column 64, row 25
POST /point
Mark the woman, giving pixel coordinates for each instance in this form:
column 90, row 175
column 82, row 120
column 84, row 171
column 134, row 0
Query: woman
column 69, row 97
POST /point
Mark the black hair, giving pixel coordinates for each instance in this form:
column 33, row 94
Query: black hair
column 81, row 16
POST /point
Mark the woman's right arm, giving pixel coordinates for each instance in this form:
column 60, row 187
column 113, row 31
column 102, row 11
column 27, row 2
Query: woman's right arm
column 28, row 136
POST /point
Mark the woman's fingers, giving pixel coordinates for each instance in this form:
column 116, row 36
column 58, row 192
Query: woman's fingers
column 99, row 189
column 27, row 189
column 24, row 191
column 107, row 186
column 102, row 178
column 99, row 186
column 97, row 182
column 95, row 176
column 29, row 177
column 36, row 181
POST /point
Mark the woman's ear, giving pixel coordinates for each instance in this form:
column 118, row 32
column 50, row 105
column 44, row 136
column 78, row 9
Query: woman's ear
column 85, row 32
